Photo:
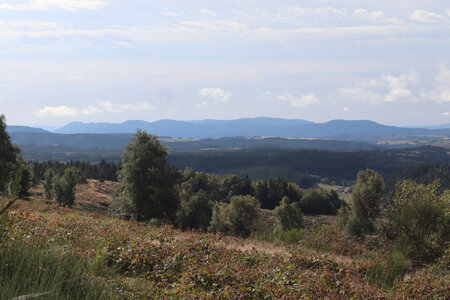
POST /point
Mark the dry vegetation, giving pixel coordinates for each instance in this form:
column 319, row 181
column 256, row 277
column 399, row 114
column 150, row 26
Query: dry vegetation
column 143, row 261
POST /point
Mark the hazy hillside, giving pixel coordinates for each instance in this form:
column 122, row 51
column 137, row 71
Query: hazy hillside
column 341, row 129
column 12, row 129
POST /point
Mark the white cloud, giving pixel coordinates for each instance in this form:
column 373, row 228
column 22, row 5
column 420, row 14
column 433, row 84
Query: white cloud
column 91, row 110
column 119, row 108
column 208, row 13
column 425, row 16
column 216, row 94
column 397, row 94
column 70, row 5
column 345, row 108
column 447, row 113
column 365, row 14
column 169, row 14
column 385, row 88
column 57, row 111
column 441, row 93
column 303, row 100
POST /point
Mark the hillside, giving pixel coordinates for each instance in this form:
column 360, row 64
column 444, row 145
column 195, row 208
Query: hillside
column 144, row 261
column 250, row 127
column 14, row 129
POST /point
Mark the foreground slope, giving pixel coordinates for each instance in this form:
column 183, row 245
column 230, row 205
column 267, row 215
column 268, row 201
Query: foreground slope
column 145, row 261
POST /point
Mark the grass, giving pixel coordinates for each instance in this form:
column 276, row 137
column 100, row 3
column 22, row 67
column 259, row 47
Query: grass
column 46, row 274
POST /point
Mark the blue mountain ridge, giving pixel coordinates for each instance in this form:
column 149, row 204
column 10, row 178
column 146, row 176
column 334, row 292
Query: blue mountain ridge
column 251, row 127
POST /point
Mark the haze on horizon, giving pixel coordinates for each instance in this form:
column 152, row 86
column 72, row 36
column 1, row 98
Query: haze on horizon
column 112, row 61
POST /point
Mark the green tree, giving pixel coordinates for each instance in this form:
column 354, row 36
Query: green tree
column 47, row 183
column 147, row 188
column 8, row 156
column 419, row 220
column 236, row 218
column 365, row 202
column 287, row 216
column 195, row 212
column 63, row 188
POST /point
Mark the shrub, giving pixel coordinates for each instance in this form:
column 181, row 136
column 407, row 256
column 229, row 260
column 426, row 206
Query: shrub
column 384, row 275
column 287, row 216
column 320, row 202
column 365, row 202
column 236, row 218
column 419, row 220
column 63, row 188
column 195, row 212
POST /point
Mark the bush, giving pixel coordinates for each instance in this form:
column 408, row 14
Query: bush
column 63, row 188
column 365, row 202
column 287, row 216
column 385, row 275
column 419, row 220
column 236, row 218
column 320, row 202
column 195, row 212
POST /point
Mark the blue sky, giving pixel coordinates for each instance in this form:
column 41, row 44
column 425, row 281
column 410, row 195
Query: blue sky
column 111, row 61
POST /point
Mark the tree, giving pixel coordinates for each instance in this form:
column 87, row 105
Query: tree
column 63, row 188
column 8, row 156
column 237, row 218
column 287, row 216
column 47, row 183
column 365, row 202
column 147, row 185
column 419, row 220
column 195, row 212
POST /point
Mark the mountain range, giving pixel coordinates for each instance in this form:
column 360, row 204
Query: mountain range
column 251, row 127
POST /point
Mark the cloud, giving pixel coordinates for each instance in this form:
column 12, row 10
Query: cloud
column 208, row 13
column 57, row 111
column 426, row 16
column 119, row 108
column 441, row 92
column 447, row 113
column 345, row 108
column 385, row 88
column 91, row 110
column 169, row 14
column 70, row 5
column 303, row 100
column 216, row 94
column 365, row 14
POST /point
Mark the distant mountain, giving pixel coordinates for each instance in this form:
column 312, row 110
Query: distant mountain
column 336, row 129
column 12, row 129
column 442, row 126
column 80, row 141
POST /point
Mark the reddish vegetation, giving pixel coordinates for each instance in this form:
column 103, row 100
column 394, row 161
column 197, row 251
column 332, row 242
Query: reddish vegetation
column 157, row 262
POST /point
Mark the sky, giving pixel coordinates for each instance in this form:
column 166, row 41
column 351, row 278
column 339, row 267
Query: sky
column 118, row 60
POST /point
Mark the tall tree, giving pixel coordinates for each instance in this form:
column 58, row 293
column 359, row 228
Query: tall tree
column 365, row 202
column 147, row 185
column 8, row 155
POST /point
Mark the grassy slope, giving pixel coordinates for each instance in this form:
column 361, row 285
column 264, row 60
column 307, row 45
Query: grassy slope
column 143, row 261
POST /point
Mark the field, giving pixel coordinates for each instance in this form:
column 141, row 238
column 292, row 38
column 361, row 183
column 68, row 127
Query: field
column 139, row 261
